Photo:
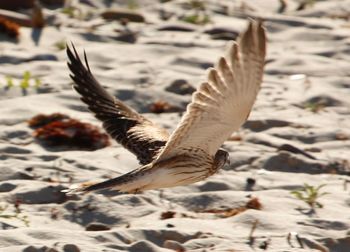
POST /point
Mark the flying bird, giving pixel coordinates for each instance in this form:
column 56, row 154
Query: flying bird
column 192, row 152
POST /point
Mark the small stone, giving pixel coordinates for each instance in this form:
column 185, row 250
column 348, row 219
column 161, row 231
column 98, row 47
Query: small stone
column 261, row 125
column 251, row 182
column 170, row 225
column 30, row 249
column 222, row 33
column 127, row 36
column 71, row 248
column 95, row 226
column 181, row 87
column 224, row 36
column 39, row 249
column 323, row 100
column 29, row 169
column 167, row 215
column 180, row 27
column 143, row 246
column 174, row 245
column 122, row 14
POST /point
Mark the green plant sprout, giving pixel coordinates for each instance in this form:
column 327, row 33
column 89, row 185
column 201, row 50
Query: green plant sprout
column 310, row 195
column 197, row 4
column 72, row 12
column 37, row 82
column 199, row 17
column 314, row 107
column 132, row 4
column 69, row 11
column 16, row 215
column 25, row 81
column 9, row 81
column 196, row 19
column 60, row 45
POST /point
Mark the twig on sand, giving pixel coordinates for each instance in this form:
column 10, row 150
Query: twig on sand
column 283, row 6
column 251, row 238
column 293, row 149
column 297, row 237
column 345, row 184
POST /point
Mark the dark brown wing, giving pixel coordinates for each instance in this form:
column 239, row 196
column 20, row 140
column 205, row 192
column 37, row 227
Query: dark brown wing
column 125, row 125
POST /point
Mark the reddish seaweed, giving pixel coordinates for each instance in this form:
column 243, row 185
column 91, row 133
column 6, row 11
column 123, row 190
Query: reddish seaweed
column 41, row 119
column 59, row 130
column 160, row 106
column 253, row 203
column 8, row 27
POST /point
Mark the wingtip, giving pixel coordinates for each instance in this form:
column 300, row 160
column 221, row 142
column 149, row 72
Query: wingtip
column 69, row 45
column 253, row 36
column 86, row 61
column 256, row 22
column 255, row 26
column 258, row 33
column 72, row 57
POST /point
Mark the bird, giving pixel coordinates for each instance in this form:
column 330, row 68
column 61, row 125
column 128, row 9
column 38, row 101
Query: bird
column 219, row 107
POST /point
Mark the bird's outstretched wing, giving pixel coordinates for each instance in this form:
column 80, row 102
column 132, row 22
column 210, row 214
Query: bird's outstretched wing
column 222, row 103
column 129, row 128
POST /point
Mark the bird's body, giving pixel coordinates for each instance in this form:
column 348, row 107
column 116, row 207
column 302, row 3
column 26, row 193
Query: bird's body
column 180, row 170
column 191, row 153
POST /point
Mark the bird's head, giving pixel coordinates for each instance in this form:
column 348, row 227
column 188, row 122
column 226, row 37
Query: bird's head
column 220, row 159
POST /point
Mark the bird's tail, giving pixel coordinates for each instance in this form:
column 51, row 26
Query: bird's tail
column 78, row 189
column 123, row 183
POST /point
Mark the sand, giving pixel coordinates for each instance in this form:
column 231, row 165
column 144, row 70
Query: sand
column 303, row 103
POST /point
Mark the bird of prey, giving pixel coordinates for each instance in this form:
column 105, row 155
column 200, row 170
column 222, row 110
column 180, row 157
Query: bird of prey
column 192, row 152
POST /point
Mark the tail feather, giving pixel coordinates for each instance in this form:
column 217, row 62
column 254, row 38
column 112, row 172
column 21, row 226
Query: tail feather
column 79, row 189
column 123, row 183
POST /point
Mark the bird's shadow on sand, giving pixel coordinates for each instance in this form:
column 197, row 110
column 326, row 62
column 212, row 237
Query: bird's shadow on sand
column 87, row 212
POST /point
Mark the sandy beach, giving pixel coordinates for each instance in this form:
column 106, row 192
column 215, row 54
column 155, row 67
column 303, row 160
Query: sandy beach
column 152, row 55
